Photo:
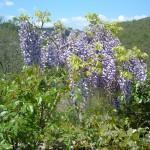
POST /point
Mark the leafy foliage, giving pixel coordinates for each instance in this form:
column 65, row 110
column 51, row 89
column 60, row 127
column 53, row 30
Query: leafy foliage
column 30, row 119
column 137, row 107
column 101, row 131
column 28, row 103
column 70, row 68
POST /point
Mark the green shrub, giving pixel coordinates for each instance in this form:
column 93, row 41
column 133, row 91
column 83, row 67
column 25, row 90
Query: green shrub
column 29, row 118
column 137, row 108
column 96, row 131
column 27, row 103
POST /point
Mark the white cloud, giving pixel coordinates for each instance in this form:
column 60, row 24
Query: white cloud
column 79, row 18
column 139, row 17
column 102, row 17
column 80, row 22
column 75, row 22
column 65, row 20
column 8, row 3
column 121, row 18
column 125, row 18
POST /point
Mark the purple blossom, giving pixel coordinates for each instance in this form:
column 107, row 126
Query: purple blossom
column 30, row 44
column 51, row 49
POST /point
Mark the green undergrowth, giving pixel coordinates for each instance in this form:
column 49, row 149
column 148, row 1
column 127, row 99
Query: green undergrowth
column 30, row 118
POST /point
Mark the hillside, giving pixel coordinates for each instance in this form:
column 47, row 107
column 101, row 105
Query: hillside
column 134, row 33
column 10, row 54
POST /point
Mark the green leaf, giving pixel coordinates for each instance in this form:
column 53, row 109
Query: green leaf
column 3, row 113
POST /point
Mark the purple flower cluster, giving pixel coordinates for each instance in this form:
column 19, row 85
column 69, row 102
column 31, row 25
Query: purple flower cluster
column 138, row 68
column 30, row 44
column 51, row 49
column 82, row 45
column 36, row 46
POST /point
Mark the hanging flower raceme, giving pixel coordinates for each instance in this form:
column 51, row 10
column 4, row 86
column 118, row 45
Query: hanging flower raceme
column 30, row 44
column 83, row 45
column 89, row 55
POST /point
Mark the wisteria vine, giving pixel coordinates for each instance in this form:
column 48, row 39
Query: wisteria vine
column 83, row 53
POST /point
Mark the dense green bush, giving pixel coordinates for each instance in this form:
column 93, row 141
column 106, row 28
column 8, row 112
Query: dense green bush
column 95, row 132
column 27, row 103
column 29, row 118
column 137, row 108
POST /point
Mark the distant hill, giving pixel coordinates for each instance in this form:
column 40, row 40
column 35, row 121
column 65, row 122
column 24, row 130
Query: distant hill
column 134, row 33
column 10, row 54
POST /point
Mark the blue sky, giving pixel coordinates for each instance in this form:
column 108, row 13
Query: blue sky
column 72, row 12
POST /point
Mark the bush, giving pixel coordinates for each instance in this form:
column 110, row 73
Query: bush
column 29, row 118
column 137, row 107
column 28, row 103
column 97, row 131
